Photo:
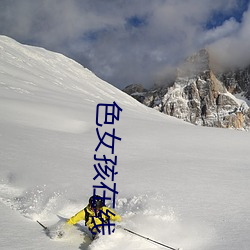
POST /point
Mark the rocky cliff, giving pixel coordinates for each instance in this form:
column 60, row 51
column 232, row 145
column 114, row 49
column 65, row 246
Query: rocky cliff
column 200, row 96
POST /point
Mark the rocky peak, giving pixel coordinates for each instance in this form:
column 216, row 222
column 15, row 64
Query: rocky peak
column 201, row 97
column 197, row 64
column 137, row 91
column 133, row 88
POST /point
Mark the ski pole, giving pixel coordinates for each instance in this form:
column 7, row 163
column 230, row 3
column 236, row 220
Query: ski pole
column 159, row 243
column 45, row 228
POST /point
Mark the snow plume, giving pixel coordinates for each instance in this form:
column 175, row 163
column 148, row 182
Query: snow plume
column 149, row 216
column 146, row 214
column 36, row 203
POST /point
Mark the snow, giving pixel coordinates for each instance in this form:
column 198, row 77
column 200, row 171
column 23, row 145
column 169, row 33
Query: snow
column 242, row 99
column 182, row 185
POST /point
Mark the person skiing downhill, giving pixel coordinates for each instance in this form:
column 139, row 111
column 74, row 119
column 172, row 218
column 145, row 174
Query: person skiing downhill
column 95, row 215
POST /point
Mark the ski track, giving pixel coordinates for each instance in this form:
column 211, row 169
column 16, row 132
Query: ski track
column 143, row 214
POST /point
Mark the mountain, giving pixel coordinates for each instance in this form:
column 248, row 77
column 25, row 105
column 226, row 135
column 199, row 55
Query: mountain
column 202, row 97
column 237, row 81
column 182, row 185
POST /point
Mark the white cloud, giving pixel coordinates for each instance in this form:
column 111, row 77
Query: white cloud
column 233, row 50
column 97, row 32
column 228, row 28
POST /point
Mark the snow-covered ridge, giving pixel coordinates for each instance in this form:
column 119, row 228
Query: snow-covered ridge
column 34, row 74
column 32, row 68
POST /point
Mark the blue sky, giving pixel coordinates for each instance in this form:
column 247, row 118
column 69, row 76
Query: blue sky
column 131, row 41
column 218, row 17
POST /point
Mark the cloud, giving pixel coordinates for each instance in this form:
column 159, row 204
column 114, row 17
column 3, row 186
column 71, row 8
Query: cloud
column 232, row 50
column 228, row 28
column 124, row 42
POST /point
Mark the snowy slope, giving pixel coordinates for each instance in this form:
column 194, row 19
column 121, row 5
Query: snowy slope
column 182, row 185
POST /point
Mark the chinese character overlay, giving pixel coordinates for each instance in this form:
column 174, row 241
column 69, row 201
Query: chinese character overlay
column 100, row 222
column 105, row 165
column 114, row 114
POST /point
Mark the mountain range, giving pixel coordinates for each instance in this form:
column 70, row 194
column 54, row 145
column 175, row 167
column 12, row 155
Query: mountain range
column 202, row 94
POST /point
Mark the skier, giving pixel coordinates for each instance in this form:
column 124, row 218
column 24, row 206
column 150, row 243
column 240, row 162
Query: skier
column 95, row 215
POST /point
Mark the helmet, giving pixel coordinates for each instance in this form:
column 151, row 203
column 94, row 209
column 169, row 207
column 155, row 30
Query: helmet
column 96, row 203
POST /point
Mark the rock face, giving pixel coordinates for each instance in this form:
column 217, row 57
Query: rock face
column 237, row 81
column 137, row 91
column 201, row 97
